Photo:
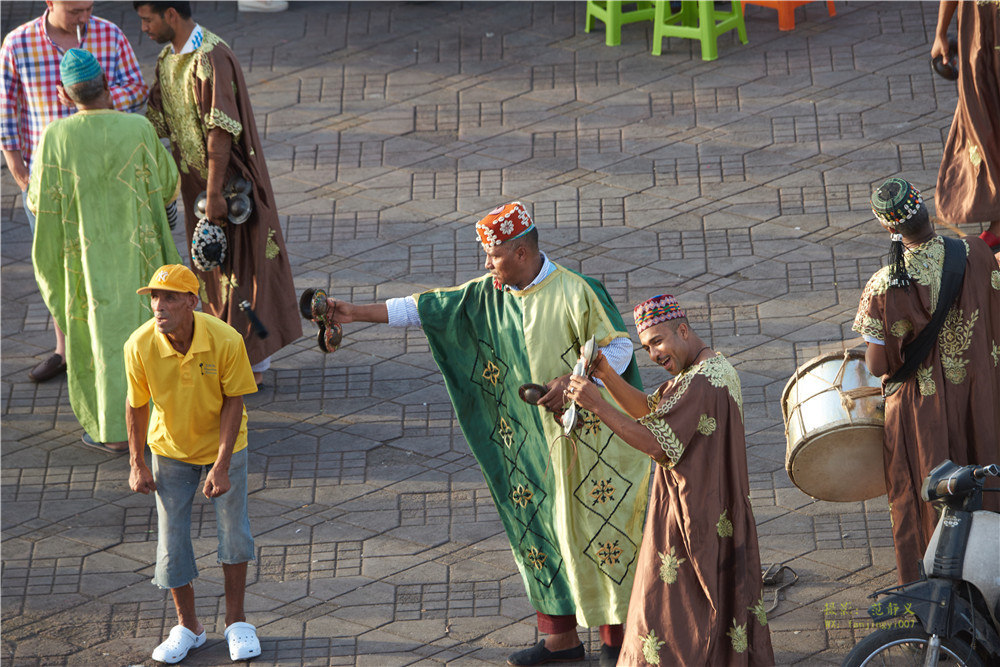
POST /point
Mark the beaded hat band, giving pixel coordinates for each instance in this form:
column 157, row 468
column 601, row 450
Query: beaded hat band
column 653, row 311
column 895, row 201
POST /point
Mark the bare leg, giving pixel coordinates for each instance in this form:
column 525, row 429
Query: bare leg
column 562, row 641
column 60, row 341
column 184, row 603
column 236, row 584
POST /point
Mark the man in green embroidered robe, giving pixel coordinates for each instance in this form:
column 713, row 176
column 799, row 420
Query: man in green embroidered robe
column 99, row 186
column 199, row 100
column 697, row 598
column 575, row 528
column 948, row 408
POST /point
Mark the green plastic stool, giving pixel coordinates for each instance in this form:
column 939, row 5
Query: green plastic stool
column 697, row 19
column 614, row 17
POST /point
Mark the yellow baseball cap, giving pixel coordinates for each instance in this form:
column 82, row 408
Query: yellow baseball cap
column 172, row 278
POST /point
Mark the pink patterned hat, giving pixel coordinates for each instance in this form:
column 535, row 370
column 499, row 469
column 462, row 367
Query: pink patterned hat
column 653, row 311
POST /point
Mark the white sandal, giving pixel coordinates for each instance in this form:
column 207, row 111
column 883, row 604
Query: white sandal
column 243, row 642
column 178, row 643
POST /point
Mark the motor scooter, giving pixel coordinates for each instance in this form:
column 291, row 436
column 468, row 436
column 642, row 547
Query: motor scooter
column 951, row 615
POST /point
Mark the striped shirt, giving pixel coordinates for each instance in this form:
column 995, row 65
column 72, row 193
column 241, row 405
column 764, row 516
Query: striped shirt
column 30, row 68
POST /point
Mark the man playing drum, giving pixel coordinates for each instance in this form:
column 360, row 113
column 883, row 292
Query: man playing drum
column 947, row 408
column 697, row 596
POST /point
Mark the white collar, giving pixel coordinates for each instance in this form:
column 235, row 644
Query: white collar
column 194, row 41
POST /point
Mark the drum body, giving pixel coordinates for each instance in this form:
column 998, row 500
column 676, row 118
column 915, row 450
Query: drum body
column 834, row 418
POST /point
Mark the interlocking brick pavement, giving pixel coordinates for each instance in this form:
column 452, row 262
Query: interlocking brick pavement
column 741, row 185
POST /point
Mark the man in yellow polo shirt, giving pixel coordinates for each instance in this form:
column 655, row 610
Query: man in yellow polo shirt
column 194, row 368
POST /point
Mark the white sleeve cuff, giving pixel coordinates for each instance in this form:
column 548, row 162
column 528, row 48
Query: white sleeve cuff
column 873, row 340
column 403, row 312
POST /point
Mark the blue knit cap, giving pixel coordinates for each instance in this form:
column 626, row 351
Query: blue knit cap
column 78, row 65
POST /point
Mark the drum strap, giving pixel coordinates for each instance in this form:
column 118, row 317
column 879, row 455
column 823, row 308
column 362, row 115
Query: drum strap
column 951, row 282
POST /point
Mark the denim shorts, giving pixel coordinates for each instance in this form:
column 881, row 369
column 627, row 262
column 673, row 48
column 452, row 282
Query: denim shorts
column 176, row 485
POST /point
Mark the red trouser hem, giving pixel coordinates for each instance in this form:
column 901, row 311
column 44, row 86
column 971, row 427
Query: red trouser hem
column 550, row 624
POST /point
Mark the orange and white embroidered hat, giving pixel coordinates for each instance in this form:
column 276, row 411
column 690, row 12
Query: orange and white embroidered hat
column 172, row 278
column 504, row 223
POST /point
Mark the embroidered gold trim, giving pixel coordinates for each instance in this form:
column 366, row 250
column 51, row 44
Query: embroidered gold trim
column 866, row 325
column 669, row 562
column 995, row 280
column 216, row 118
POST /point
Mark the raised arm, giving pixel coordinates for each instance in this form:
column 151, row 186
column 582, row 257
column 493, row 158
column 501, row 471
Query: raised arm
column 589, row 397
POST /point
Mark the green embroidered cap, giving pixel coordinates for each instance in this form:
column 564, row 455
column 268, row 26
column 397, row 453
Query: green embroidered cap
column 78, row 65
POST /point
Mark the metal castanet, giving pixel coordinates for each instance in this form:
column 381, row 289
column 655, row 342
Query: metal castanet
column 834, row 418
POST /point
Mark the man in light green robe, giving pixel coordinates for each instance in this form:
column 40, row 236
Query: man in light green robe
column 99, row 188
column 572, row 507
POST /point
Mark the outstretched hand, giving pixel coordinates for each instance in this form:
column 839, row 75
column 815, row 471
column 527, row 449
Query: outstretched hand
column 341, row 312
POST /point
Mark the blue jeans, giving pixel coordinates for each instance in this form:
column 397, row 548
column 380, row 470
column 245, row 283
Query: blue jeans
column 176, row 484
column 27, row 212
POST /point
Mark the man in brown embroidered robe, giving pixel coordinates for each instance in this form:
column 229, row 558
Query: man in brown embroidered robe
column 697, row 596
column 948, row 408
column 199, row 100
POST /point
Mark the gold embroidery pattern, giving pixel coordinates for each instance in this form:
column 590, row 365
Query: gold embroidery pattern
column 900, row 328
column 202, row 289
column 591, row 424
column 722, row 374
column 974, row 156
column 226, row 285
column 609, row 553
column 759, row 611
column 603, row 491
column 738, row 633
column 181, row 116
column 521, row 495
column 866, row 325
column 652, row 400
column 536, row 558
column 216, row 118
column 954, row 339
column 925, row 381
column 506, row 433
column 651, row 645
column 724, row 526
column 669, row 562
column 491, row 373
column 995, row 354
column 995, row 280
column 669, row 442
column 706, row 425
column 271, row 249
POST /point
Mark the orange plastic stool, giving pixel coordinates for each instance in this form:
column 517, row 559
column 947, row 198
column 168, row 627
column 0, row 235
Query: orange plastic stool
column 614, row 17
column 786, row 10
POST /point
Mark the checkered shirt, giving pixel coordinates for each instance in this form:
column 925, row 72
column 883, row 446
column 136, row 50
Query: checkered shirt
column 30, row 64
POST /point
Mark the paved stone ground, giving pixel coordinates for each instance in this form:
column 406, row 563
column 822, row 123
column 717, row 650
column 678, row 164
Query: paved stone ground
column 740, row 185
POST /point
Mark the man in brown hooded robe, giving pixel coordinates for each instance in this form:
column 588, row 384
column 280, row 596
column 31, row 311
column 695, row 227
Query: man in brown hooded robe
column 199, row 100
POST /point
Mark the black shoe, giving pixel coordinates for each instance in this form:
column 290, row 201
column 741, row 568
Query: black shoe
column 609, row 655
column 539, row 655
column 54, row 365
